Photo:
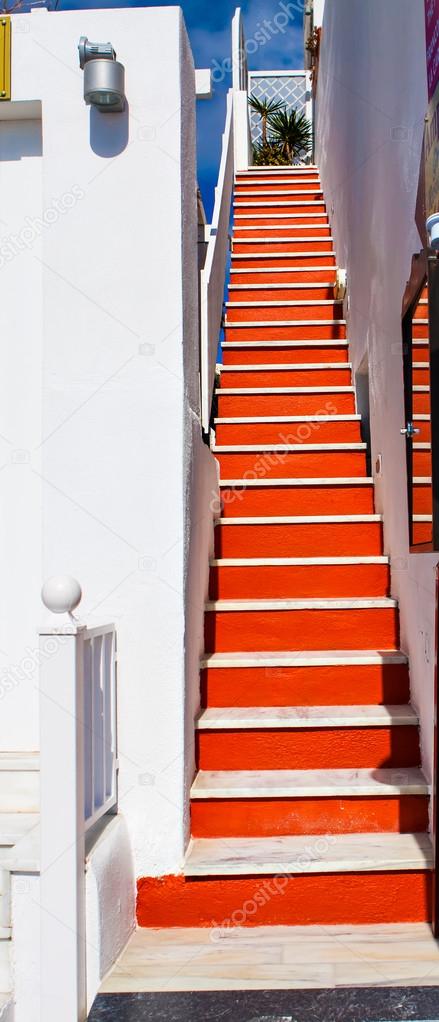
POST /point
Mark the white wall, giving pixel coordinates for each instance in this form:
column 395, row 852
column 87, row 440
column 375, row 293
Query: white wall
column 99, row 383
column 370, row 113
column 318, row 11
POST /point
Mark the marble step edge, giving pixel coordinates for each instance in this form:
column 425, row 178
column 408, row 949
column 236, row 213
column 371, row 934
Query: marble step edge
column 321, row 214
column 307, row 658
column 362, row 783
column 305, row 717
column 304, row 285
column 19, row 761
column 300, row 520
column 291, row 255
column 303, row 448
column 302, row 855
column 296, row 367
column 257, row 324
column 283, row 197
column 310, row 482
column 296, row 168
column 262, row 240
column 310, row 343
column 259, row 420
column 301, row 562
column 281, row 191
column 296, row 391
column 255, row 606
column 279, row 227
column 288, row 269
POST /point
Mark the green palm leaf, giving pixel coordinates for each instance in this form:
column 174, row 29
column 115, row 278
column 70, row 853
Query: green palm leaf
column 292, row 131
column 265, row 108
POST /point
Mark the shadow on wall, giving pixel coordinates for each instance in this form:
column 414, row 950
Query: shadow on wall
column 109, row 132
column 20, row 138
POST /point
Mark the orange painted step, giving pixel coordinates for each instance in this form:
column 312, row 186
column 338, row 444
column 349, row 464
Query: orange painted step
column 240, row 499
column 274, row 231
column 281, row 276
column 331, row 432
column 310, row 539
column 273, row 246
column 420, row 330
column 309, row 749
column 424, row 435
column 291, row 331
column 293, row 685
column 262, row 313
column 421, row 376
column 239, row 630
column 422, row 532
column 265, row 581
column 271, row 376
column 283, row 184
column 294, row 192
column 421, row 463
column 298, row 464
column 421, row 312
column 421, row 352
column 283, row 353
column 304, row 292
column 423, row 499
column 421, row 403
column 244, row 221
column 279, row 260
column 284, row 403
column 264, row 817
column 272, row 206
column 343, row 898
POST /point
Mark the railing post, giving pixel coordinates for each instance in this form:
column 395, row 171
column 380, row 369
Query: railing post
column 242, row 136
column 62, row 898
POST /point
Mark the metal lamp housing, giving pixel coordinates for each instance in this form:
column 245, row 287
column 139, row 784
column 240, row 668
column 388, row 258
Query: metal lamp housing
column 104, row 85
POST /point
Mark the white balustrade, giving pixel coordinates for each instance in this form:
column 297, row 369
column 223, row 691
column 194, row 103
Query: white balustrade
column 78, row 786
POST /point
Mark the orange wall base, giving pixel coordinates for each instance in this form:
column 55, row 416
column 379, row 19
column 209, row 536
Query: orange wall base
column 343, row 898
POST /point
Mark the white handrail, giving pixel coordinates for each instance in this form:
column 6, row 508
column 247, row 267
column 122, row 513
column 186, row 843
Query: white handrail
column 78, row 785
column 239, row 53
column 213, row 274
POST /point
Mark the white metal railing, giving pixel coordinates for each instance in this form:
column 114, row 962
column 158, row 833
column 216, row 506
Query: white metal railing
column 213, row 274
column 78, row 786
column 100, row 762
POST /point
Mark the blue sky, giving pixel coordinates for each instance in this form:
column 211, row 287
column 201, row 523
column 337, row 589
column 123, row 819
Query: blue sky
column 209, row 27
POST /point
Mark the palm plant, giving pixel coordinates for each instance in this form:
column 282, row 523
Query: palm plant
column 291, row 131
column 265, row 108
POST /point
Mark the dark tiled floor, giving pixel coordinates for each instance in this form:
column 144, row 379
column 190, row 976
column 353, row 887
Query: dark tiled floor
column 350, row 1005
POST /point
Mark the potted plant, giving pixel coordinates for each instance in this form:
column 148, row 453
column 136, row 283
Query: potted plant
column 292, row 132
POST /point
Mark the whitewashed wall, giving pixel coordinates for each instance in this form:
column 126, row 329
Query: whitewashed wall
column 99, row 390
column 370, row 111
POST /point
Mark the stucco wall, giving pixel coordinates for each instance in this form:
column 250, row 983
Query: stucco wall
column 100, row 380
column 370, row 112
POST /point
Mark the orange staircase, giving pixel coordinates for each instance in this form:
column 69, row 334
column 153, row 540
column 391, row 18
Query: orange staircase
column 309, row 805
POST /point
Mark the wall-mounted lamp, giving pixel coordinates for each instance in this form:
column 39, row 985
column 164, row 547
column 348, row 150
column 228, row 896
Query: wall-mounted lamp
column 433, row 230
column 104, row 76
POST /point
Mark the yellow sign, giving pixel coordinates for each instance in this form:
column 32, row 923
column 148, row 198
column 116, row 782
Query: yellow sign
column 5, row 58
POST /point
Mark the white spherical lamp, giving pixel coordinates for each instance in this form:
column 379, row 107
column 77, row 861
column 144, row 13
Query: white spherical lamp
column 61, row 594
